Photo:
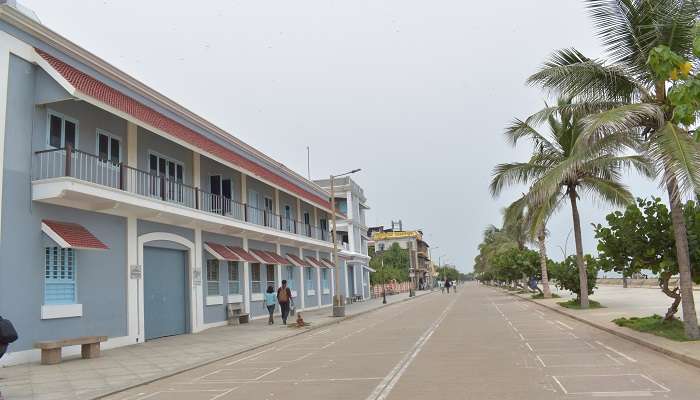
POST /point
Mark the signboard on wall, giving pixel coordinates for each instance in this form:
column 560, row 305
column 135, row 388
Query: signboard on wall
column 135, row 271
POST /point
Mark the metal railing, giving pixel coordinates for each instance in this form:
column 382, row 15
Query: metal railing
column 68, row 162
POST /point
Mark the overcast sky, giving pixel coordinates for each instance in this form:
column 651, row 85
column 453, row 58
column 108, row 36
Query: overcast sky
column 414, row 92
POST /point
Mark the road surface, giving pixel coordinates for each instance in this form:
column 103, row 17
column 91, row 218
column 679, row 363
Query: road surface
column 477, row 344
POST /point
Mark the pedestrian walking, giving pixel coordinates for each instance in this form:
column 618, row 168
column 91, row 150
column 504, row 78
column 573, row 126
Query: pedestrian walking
column 454, row 286
column 8, row 334
column 448, row 285
column 284, row 297
column 270, row 303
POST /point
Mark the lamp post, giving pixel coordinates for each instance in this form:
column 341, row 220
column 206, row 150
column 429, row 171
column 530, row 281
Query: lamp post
column 338, row 300
column 383, row 282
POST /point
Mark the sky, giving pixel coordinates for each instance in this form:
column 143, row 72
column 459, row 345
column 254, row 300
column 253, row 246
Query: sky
column 416, row 93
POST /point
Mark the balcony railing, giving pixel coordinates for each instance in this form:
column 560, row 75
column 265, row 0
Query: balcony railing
column 55, row 163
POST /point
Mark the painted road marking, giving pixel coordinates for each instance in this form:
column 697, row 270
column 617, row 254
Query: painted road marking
column 249, row 357
column 619, row 353
column 387, row 384
column 565, row 325
column 529, row 347
column 631, row 385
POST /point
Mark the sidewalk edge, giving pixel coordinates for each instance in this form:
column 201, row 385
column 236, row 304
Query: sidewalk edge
column 255, row 347
column 668, row 352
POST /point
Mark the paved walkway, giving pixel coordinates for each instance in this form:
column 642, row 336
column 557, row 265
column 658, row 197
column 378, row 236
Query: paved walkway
column 630, row 302
column 478, row 344
column 130, row 365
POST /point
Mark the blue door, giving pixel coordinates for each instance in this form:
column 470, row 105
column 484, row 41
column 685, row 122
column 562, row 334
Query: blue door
column 164, row 283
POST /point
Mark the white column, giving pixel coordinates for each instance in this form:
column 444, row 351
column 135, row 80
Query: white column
column 244, row 188
column 4, row 80
column 299, row 213
column 246, row 278
column 277, row 205
column 196, row 171
column 278, row 282
column 198, row 302
column 302, row 293
column 134, row 328
column 319, row 289
column 347, row 284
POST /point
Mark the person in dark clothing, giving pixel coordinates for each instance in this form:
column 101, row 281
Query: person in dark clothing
column 448, row 285
column 284, row 298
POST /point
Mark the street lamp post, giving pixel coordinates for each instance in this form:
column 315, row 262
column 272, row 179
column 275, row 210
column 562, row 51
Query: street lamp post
column 338, row 300
column 383, row 282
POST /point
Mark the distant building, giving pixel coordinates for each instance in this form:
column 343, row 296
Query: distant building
column 353, row 239
column 412, row 240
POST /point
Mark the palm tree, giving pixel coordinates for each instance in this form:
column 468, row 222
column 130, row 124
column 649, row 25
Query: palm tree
column 623, row 95
column 532, row 218
column 563, row 166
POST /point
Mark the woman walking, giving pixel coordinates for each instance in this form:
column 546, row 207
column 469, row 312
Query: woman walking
column 270, row 303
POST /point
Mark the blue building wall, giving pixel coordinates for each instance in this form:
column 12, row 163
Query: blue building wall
column 217, row 313
column 100, row 275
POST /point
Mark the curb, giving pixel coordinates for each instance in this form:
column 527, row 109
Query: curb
column 246, row 350
column 670, row 353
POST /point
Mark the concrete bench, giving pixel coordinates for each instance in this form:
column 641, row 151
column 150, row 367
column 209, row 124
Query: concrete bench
column 51, row 349
column 237, row 316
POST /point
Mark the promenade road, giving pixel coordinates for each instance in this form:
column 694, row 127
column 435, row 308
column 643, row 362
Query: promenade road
column 477, row 344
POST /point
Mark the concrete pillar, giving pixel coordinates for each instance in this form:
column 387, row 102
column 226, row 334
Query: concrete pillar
column 244, row 189
column 277, row 205
column 246, row 278
column 301, row 293
column 198, row 303
column 134, row 328
column 196, row 171
column 132, row 158
column 278, row 268
column 319, row 289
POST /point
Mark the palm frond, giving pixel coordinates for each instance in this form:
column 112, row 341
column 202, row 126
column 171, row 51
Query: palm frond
column 519, row 129
column 608, row 190
column 513, row 173
column 574, row 75
column 620, row 119
column 676, row 152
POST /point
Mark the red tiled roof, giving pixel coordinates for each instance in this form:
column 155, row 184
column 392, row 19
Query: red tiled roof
column 70, row 235
column 243, row 254
column 278, row 258
column 221, row 252
column 264, row 256
column 296, row 261
column 314, row 262
column 114, row 98
column 327, row 262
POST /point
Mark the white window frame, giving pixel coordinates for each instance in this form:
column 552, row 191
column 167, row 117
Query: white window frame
column 213, row 263
column 166, row 158
column 111, row 136
column 62, row 310
column 49, row 113
column 236, row 265
column 252, row 279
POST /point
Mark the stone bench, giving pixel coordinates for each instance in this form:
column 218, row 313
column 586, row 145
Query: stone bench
column 51, row 349
column 236, row 316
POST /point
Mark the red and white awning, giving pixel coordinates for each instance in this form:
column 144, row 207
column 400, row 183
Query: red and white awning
column 243, row 254
column 69, row 235
column 314, row 262
column 327, row 263
column 296, row 261
column 221, row 252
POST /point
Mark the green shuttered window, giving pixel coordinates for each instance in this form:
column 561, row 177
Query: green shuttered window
column 59, row 275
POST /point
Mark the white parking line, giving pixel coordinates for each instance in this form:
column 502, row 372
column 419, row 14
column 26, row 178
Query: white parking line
column 619, row 353
column 529, row 347
column 249, row 357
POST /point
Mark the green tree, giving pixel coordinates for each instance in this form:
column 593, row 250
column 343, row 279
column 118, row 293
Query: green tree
column 449, row 273
column 567, row 277
column 566, row 164
column 628, row 92
column 642, row 238
column 391, row 264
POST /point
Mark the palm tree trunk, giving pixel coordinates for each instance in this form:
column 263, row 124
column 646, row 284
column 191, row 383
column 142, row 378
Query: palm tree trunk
column 690, row 318
column 543, row 263
column 582, row 274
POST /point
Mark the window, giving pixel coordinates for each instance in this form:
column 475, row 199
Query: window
column 108, row 147
column 234, row 282
column 380, row 246
column 255, row 272
column 289, row 276
column 255, row 215
column 288, row 218
column 307, row 223
column 270, row 276
column 62, row 130
column 222, row 191
column 269, row 209
column 324, row 278
column 213, row 278
column 172, row 170
column 59, row 285
column 309, row 278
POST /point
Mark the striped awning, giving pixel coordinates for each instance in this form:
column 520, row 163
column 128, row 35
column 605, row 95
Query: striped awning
column 69, row 235
column 243, row 254
column 314, row 262
column 296, row 261
column 221, row 252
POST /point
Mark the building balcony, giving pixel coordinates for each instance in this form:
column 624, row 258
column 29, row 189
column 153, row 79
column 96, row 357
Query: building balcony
column 85, row 181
